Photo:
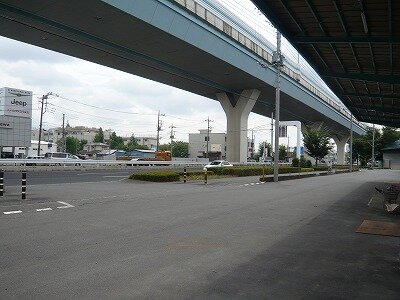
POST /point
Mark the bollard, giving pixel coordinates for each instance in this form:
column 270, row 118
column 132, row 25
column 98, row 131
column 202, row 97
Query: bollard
column 184, row 175
column 263, row 177
column 23, row 184
column 205, row 176
column 1, row 183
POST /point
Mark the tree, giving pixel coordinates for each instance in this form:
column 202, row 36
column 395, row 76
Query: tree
column 164, row 147
column 389, row 136
column 73, row 145
column 267, row 149
column 99, row 137
column 317, row 143
column 132, row 144
column 180, row 149
column 282, row 152
column 362, row 146
column 116, row 142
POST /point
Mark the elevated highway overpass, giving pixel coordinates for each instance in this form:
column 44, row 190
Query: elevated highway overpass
column 180, row 44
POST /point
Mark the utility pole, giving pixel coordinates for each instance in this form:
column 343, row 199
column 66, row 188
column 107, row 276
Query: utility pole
column 208, row 134
column 159, row 124
column 278, row 60
column 252, row 143
column 63, row 135
column 171, row 136
column 351, row 144
column 373, row 147
column 42, row 111
column 272, row 132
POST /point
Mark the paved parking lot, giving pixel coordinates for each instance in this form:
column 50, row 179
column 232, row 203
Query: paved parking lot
column 229, row 239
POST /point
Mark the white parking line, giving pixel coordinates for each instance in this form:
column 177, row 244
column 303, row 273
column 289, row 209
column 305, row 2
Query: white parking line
column 43, row 209
column 67, row 205
column 12, row 212
column 246, row 184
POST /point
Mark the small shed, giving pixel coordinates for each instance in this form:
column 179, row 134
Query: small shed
column 391, row 156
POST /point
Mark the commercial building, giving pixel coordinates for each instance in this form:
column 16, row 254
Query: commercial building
column 15, row 120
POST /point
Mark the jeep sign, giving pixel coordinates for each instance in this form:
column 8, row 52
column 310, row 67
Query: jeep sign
column 15, row 102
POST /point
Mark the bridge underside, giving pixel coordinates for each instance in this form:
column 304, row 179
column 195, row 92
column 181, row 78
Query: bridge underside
column 98, row 32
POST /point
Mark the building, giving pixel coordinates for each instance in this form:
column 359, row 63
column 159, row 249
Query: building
column 15, row 120
column 216, row 145
column 78, row 132
column 391, row 156
column 149, row 141
column 95, row 147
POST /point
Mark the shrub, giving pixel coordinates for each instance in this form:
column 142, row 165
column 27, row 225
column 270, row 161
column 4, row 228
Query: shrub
column 157, row 176
column 295, row 162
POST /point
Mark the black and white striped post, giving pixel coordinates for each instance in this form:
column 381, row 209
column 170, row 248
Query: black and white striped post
column 184, row 175
column 23, row 184
column 1, row 183
column 205, row 176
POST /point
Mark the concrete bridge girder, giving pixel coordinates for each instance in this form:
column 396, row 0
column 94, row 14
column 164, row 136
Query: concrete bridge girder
column 237, row 110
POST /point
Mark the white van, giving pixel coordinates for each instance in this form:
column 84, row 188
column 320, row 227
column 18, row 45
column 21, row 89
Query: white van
column 62, row 156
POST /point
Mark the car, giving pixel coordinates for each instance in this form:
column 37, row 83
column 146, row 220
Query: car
column 217, row 164
column 63, row 156
column 33, row 157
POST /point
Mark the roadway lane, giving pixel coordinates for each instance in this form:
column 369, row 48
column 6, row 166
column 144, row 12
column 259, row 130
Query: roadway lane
column 226, row 240
column 60, row 177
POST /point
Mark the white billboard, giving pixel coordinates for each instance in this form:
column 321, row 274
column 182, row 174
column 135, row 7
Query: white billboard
column 15, row 102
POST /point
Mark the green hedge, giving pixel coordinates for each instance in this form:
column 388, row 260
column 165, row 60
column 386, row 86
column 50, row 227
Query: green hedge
column 256, row 171
column 157, row 176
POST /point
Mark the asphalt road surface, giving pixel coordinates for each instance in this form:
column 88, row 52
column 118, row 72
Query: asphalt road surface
column 59, row 177
column 233, row 238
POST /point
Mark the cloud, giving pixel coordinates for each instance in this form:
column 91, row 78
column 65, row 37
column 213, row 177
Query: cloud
column 14, row 51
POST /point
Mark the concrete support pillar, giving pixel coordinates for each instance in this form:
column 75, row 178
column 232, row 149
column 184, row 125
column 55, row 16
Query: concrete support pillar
column 341, row 148
column 237, row 109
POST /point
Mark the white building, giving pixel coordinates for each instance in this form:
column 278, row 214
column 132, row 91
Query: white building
column 216, row 145
column 149, row 141
column 79, row 132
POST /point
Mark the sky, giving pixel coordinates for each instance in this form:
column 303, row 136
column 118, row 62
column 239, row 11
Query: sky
column 97, row 96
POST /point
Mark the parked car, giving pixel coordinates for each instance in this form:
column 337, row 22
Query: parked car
column 63, row 156
column 218, row 164
column 33, row 158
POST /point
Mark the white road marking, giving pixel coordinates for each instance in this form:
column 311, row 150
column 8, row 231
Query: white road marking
column 252, row 183
column 67, row 205
column 12, row 212
column 257, row 183
column 246, row 184
column 43, row 209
